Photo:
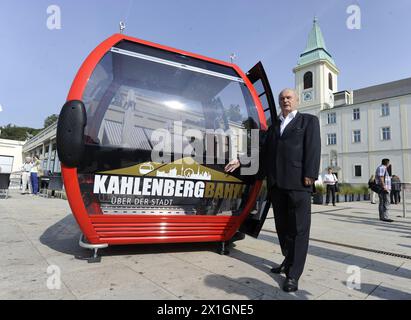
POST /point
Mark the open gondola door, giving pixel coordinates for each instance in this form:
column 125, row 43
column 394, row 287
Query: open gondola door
column 257, row 76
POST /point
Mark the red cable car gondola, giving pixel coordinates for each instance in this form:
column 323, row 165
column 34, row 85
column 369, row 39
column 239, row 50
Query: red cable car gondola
column 125, row 90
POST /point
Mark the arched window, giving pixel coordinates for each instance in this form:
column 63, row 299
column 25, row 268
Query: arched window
column 330, row 81
column 308, row 80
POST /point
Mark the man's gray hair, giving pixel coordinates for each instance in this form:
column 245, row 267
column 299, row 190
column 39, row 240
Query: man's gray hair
column 292, row 90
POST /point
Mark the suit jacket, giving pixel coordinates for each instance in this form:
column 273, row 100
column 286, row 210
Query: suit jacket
column 288, row 158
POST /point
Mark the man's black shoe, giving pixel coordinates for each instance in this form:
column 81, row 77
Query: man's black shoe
column 290, row 285
column 387, row 220
column 281, row 269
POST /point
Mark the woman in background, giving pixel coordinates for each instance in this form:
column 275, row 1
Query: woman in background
column 34, row 175
column 373, row 194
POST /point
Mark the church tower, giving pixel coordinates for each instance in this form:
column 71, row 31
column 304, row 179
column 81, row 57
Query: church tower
column 316, row 74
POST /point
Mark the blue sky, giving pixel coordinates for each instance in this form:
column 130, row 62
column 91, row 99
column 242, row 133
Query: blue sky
column 37, row 65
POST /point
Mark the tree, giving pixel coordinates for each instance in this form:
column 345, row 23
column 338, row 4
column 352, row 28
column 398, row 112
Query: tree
column 50, row 120
column 12, row 132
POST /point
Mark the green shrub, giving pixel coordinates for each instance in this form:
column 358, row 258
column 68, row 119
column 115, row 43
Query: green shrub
column 320, row 189
column 357, row 190
column 345, row 188
column 364, row 189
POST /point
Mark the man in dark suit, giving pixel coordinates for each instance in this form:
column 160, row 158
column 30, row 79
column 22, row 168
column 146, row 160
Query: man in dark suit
column 290, row 158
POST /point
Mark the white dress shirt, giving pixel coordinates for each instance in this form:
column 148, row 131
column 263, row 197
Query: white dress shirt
column 26, row 167
column 285, row 121
column 382, row 172
column 330, row 179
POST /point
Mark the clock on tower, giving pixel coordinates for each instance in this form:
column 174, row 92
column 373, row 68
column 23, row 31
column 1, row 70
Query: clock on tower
column 307, row 96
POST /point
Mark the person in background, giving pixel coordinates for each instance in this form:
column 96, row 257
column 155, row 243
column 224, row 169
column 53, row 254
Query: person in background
column 34, row 175
column 395, row 190
column 330, row 179
column 383, row 178
column 373, row 195
column 25, row 175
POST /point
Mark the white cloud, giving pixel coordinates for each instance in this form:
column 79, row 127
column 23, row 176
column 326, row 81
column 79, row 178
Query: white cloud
column 1, row 108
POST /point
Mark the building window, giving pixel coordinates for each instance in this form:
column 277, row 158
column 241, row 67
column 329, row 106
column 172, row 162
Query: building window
column 357, row 171
column 385, row 109
column 332, row 118
column 6, row 164
column 386, row 133
column 356, row 136
column 308, row 80
column 330, row 81
column 356, row 114
column 331, row 139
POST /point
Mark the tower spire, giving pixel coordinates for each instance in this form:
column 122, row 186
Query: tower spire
column 316, row 74
column 315, row 48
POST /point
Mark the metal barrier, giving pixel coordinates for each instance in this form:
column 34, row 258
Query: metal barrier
column 15, row 181
column 405, row 197
column 4, row 184
column 51, row 184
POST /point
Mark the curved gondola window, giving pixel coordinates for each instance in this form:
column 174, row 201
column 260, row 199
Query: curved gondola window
column 128, row 97
column 308, row 80
column 137, row 89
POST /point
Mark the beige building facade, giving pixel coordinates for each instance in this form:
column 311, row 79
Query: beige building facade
column 11, row 158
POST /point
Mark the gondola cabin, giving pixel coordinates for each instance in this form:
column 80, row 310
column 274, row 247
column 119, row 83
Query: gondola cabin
column 132, row 111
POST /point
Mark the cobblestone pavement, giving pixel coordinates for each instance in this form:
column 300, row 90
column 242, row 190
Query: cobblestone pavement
column 39, row 241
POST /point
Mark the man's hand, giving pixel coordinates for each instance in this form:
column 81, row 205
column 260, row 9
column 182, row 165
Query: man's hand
column 308, row 181
column 232, row 165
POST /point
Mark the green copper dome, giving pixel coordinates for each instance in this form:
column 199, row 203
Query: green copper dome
column 315, row 49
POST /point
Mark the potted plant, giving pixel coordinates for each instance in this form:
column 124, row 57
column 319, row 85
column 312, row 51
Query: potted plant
column 318, row 196
column 357, row 192
column 337, row 193
column 350, row 192
column 365, row 192
column 344, row 191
